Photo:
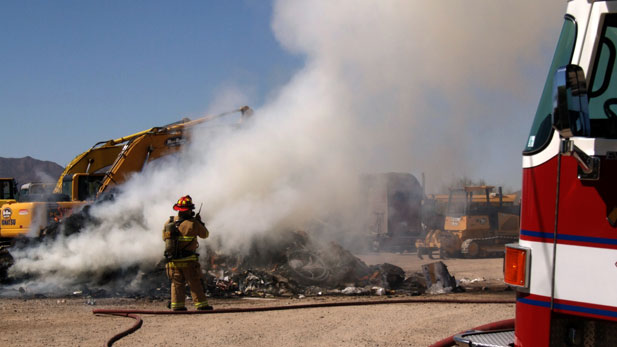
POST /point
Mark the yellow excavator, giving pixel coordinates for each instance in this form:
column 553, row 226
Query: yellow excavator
column 478, row 223
column 106, row 164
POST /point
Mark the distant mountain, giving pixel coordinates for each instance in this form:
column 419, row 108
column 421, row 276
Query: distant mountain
column 28, row 169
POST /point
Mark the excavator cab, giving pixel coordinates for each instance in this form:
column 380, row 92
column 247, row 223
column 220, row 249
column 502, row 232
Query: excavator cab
column 82, row 186
column 8, row 190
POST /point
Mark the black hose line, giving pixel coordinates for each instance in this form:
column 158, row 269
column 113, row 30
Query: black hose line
column 133, row 313
column 126, row 332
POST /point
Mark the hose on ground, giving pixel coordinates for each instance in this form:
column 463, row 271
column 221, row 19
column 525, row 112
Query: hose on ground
column 133, row 313
column 128, row 331
column 499, row 325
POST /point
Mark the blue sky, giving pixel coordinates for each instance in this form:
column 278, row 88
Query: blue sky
column 78, row 72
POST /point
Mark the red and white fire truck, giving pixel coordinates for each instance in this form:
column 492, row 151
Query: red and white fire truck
column 564, row 266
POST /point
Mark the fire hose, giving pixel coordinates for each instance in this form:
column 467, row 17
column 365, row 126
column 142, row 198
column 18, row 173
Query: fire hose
column 134, row 313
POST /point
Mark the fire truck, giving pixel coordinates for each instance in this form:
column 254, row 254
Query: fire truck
column 564, row 266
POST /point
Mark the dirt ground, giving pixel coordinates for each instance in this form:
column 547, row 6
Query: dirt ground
column 70, row 321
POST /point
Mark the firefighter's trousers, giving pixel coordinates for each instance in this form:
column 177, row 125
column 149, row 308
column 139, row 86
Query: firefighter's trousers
column 180, row 273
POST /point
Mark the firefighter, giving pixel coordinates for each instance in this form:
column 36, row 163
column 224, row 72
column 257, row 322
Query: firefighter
column 180, row 235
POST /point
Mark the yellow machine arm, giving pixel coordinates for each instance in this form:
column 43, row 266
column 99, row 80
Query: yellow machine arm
column 128, row 154
column 152, row 144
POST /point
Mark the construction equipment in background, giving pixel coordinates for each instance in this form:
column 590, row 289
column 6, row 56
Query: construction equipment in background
column 478, row 223
column 94, row 171
column 394, row 202
column 31, row 215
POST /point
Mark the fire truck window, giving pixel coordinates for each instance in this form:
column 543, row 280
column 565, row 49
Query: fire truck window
column 603, row 91
column 541, row 129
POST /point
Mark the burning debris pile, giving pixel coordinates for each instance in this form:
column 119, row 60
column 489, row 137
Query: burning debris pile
column 281, row 264
column 299, row 266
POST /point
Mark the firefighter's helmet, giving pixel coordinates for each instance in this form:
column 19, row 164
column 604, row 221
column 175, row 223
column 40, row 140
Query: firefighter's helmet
column 184, row 204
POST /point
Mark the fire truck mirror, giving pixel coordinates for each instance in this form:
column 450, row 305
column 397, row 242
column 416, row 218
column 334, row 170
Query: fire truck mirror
column 570, row 102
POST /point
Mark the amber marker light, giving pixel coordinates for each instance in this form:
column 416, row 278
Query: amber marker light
column 516, row 265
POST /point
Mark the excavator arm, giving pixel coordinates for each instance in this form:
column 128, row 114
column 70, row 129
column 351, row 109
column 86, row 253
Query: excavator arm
column 149, row 145
column 104, row 154
column 140, row 151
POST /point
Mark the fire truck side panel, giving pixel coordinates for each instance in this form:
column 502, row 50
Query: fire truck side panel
column 571, row 287
column 586, row 244
column 532, row 324
column 583, row 205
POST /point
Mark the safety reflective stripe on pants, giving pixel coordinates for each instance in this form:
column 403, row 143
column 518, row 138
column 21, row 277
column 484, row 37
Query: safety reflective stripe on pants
column 186, row 238
column 201, row 304
column 180, row 262
column 177, row 304
column 177, row 265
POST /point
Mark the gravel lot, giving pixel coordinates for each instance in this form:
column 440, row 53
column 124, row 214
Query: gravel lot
column 70, row 321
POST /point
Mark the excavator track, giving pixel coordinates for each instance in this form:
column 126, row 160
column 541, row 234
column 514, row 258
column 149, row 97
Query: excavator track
column 480, row 247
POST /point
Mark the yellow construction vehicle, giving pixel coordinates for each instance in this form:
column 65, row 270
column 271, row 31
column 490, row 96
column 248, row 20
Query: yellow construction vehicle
column 32, row 214
column 478, row 223
column 25, row 209
column 106, row 164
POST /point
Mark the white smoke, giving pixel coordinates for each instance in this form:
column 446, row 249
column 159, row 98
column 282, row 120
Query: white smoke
column 429, row 79
column 446, row 88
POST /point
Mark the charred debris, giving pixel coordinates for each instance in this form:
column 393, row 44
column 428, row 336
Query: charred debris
column 299, row 266
column 285, row 264
column 278, row 264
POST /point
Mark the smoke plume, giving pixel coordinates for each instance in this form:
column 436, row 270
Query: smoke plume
column 445, row 88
